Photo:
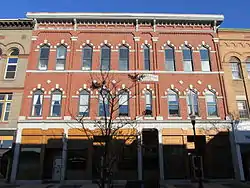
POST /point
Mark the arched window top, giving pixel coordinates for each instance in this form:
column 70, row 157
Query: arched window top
column 45, row 46
column 247, row 59
column 172, row 92
column 84, row 92
column 185, row 47
column 38, row 92
column 61, row 51
column 204, row 48
column 105, row 47
column 209, row 92
column 192, row 91
column 234, row 59
column 56, row 92
column 168, row 47
column 146, row 47
column 14, row 52
column 123, row 47
column 87, row 46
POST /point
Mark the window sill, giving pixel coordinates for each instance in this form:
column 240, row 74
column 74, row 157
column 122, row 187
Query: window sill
column 149, row 118
column 80, row 117
column 215, row 117
column 86, row 69
column 123, row 117
column 102, row 117
column 33, row 117
column 195, row 117
column 174, row 117
column 237, row 79
column 54, row 117
column 9, row 79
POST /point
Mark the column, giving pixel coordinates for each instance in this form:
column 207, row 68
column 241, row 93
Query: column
column 15, row 163
column 239, row 159
column 64, row 154
column 139, row 156
column 161, row 161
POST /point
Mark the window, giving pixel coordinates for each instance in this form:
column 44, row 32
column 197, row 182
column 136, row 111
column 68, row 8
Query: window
column 61, row 54
column 123, row 103
column 205, row 59
column 235, row 65
column 123, row 58
column 105, row 58
column 10, row 72
column 1, row 53
column 55, row 109
column 243, row 109
column 5, row 103
column 104, row 103
column 173, row 104
column 211, row 104
column 87, row 58
column 169, row 59
column 44, row 57
column 37, row 103
column 187, row 59
column 84, row 103
column 6, row 143
column 148, row 97
column 146, row 51
column 192, row 102
column 248, row 67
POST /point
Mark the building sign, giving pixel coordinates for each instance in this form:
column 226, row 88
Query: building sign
column 150, row 78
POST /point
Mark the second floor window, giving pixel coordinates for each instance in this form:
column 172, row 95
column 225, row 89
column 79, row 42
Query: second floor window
column 235, row 65
column 44, row 57
column 173, row 104
column 61, row 54
column 56, row 100
column 123, row 103
column 104, row 101
column 242, row 109
column 211, row 104
column 148, row 101
column 187, row 59
column 87, row 58
column 123, row 58
column 205, row 59
column 5, row 103
column 105, row 58
column 169, row 59
column 146, row 51
column 84, row 103
column 37, row 103
column 11, row 68
column 192, row 102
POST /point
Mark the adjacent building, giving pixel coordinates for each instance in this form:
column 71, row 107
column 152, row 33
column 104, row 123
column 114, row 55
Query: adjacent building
column 235, row 60
column 15, row 37
column 179, row 57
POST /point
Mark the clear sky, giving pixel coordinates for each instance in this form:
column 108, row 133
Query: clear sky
column 236, row 12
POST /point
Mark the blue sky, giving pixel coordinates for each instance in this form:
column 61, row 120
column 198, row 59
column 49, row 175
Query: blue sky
column 236, row 12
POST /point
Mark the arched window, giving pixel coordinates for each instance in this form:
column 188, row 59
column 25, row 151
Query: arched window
column 211, row 104
column 205, row 59
column 11, row 68
column 236, row 70
column 192, row 102
column 123, row 103
column 148, row 102
column 173, row 104
column 123, row 58
column 84, row 103
column 187, row 59
column 61, row 54
column 56, row 102
column 87, row 52
column 248, row 66
column 44, row 57
column 37, row 103
column 105, row 58
column 169, row 59
column 146, row 51
column 104, row 100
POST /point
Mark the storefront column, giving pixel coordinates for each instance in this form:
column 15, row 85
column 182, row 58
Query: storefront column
column 161, row 161
column 15, row 163
column 239, row 159
column 64, row 154
column 139, row 156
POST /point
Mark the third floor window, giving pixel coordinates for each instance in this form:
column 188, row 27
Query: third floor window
column 87, row 52
column 148, row 101
column 146, row 51
column 11, row 68
column 205, row 59
column 169, row 59
column 44, row 57
column 192, row 102
column 235, row 65
column 5, row 103
column 61, row 54
column 105, row 58
column 37, row 103
column 187, row 59
column 243, row 108
column 123, row 58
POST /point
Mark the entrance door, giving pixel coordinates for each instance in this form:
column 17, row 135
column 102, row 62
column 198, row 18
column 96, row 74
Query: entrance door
column 57, row 169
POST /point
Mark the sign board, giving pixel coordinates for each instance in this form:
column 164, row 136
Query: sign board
column 150, row 78
column 190, row 145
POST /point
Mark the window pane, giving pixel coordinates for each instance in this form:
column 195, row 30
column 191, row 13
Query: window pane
column 212, row 110
column 1, row 109
column 14, row 52
column 11, row 68
column 123, row 58
column 187, row 66
column 87, row 53
column 43, row 64
column 87, row 64
column 7, row 111
column 123, row 53
column 146, row 58
column 186, row 54
column 148, row 98
column 44, row 52
column 123, row 110
column 105, row 53
column 105, row 64
column 204, row 54
column 7, row 144
column 61, row 52
column 172, row 98
column 169, row 65
column 10, row 74
column 123, row 99
column 205, row 65
column 173, row 110
column 84, row 99
column 12, row 60
column 83, row 110
column 169, row 54
column 123, row 64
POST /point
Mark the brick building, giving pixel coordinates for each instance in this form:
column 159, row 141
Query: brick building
column 235, row 58
column 15, row 37
column 177, row 54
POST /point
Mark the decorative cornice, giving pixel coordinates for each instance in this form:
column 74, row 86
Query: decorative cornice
column 15, row 24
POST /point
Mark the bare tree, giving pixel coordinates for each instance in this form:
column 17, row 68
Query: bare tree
column 113, row 127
